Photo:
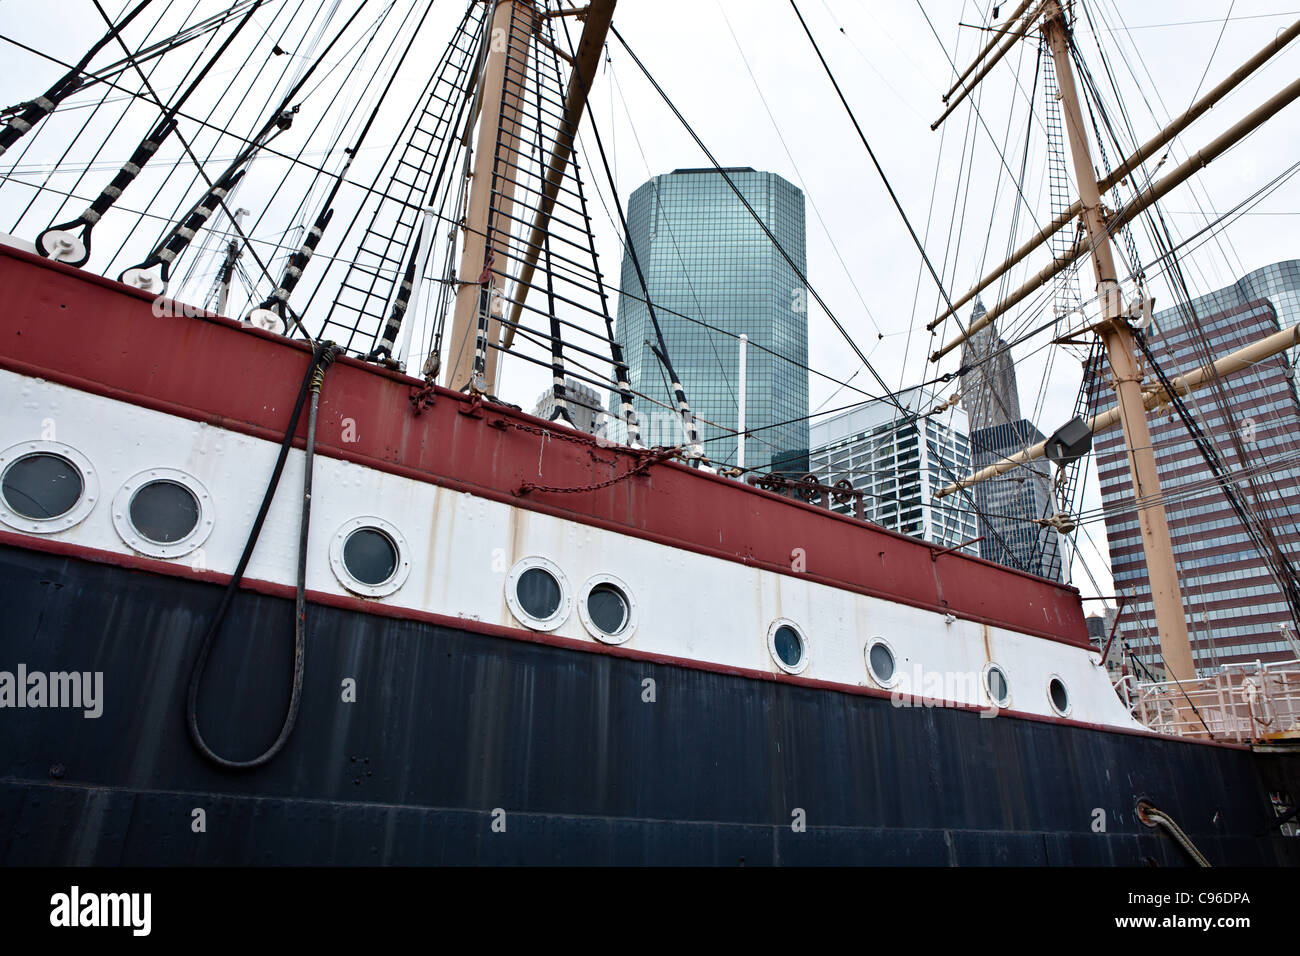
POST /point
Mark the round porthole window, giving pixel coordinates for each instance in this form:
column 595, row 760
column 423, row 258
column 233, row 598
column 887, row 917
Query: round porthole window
column 1058, row 696
column 607, row 609
column 996, row 686
column 163, row 513
column 881, row 664
column 538, row 594
column 369, row 556
column 45, row 486
column 786, row 644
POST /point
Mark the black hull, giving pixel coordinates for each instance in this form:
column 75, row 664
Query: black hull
column 449, row 726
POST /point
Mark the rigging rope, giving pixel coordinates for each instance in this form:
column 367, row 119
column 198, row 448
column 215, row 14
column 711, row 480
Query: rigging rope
column 147, row 148
column 32, row 112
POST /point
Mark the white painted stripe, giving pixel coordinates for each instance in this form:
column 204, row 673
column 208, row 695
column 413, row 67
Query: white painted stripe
column 461, row 548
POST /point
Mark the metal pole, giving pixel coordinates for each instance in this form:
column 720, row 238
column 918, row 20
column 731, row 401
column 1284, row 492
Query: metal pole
column 989, row 64
column 740, row 402
column 988, row 48
column 1126, row 376
column 228, row 267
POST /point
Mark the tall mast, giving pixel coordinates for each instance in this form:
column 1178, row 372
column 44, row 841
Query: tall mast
column 1117, row 338
column 497, row 160
column 497, row 154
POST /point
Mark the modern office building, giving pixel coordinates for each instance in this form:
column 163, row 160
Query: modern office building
column 582, row 403
column 713, row 275
column 988, row 391
column 1011, row 505
column 899, row 462
column 1235, row 610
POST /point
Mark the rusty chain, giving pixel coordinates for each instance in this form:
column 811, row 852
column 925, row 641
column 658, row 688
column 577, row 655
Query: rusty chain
column 645, row 458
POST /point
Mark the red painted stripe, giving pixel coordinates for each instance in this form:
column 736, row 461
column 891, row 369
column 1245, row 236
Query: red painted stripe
column 136, row 562
column 96, row 335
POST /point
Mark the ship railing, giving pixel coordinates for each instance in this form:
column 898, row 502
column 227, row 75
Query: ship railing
column 840, row 496
column 1243, row 703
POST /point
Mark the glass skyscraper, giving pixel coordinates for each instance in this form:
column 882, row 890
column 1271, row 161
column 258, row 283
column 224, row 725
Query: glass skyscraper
column 1235, row 610
column 711, row 270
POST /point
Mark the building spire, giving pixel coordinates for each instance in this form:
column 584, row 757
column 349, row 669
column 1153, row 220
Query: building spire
column 988, row 387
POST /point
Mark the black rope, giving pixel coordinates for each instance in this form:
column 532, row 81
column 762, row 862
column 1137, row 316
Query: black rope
column 322, row 358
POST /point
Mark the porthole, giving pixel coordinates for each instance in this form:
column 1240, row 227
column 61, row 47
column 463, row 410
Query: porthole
column 42, row 486
column 787, row 645
column 1058, row 696
column 537, row 594
column 163, row 513
column 369, row 556
column 996, row 686
column 607, row 609
column 45, row 486
column 881, row 663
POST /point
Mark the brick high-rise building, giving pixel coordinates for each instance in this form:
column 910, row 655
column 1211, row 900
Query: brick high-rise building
column 1235, row 610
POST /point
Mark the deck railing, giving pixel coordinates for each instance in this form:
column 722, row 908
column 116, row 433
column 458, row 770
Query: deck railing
column 1245, row 703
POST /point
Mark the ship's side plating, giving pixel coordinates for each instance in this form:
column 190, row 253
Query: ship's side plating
column 438, row 726
column 473, row 746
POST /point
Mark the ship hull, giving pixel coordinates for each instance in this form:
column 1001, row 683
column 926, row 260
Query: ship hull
column 469, row 747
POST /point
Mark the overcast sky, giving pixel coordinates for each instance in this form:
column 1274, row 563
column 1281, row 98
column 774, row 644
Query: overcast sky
column 745, row 76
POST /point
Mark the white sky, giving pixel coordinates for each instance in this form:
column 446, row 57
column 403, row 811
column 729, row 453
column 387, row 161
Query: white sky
column 893, row 72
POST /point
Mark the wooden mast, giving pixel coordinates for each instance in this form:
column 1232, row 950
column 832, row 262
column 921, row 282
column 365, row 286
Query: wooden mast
column 491, row 196
column 1117, row 337
column 1153, row 397
column 497, row 160
column 1143, row 153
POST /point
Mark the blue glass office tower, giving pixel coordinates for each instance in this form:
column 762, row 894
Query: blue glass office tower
column 707, row 262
